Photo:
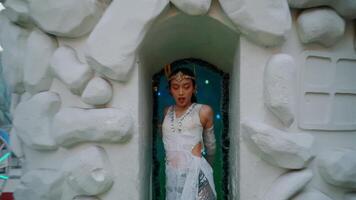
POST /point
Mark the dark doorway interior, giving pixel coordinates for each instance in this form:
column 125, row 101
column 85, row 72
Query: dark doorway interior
column 213, row 89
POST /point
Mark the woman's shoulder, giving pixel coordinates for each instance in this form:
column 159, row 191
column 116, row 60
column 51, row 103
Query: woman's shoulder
column 165, row 110
column 205, row 114
column 204, row 108
column 205, row 111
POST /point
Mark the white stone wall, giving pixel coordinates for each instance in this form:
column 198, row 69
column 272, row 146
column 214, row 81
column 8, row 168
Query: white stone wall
column 81, row 74
column 265, row 177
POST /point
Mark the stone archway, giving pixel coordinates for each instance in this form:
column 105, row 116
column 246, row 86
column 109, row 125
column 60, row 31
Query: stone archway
column 179, row 36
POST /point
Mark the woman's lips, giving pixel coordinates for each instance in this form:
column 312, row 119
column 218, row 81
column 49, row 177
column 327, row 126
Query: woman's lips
column 181, row 99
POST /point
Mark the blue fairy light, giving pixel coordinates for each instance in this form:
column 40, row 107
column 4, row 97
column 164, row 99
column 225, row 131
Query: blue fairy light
column 5, row 156
column 218, row 116
column 159, row 93
column 206, row 81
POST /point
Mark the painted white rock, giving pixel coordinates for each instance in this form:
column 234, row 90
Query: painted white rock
column 66, row 17
column 97, row 92
column 32, row 120
column 278, row 148
column 346, row 8
column 113, row 56
column 16, row 144
column 338, row 167
column 89, row 172
column 13, row 40
column 17, row 11
column 37, row 74
column 77, row 44
column 350, row 196
column 40, row 184
column 74, row 125
column 287, row 185
column 280, row 87
column 311, row 195
column 67, row 68
column 193, row 7
column 86, row 198
column 320, row 25
column 25, row 96
column 264, row 22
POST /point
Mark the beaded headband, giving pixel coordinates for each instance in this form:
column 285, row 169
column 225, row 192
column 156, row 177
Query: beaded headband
column 178, row 77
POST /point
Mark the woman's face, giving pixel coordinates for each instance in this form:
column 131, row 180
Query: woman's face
column 182, row 91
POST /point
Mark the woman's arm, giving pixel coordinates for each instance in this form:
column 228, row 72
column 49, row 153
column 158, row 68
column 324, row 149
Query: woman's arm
column 207, row 120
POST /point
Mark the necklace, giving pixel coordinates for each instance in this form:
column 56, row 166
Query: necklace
column 179, row 119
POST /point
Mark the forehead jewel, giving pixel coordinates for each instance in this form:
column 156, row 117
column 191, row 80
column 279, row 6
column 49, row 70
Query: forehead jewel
column 180, row 76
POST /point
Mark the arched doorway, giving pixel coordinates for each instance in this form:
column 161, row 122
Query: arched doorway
column 176, row 37
column 213, row 90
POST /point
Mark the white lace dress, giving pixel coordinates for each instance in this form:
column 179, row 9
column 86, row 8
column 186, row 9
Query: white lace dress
column 188, row 177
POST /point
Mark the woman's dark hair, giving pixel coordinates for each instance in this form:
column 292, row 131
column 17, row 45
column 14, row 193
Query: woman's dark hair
column 188, row 72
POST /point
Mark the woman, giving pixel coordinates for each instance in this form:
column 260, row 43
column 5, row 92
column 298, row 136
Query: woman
column 187, row 128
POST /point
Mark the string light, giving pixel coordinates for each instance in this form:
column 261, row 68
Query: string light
column 5, row 156
column 218, row 116
column 206, row 81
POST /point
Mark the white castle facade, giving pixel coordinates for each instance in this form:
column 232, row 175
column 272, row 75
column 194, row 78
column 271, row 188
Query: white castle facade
column 80, row 78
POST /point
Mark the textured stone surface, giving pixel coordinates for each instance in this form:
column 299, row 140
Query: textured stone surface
column 40, row 184
column 346, row 8
column 88, row 172
column 193, row 7
column 287, row 185
column 338, row 167
column 278, row 148
column 73, row 73
column 350, row 196
column 280, row 87
column 264, row 22
column 18, row 12
column 320, row 25
column 13, row 40
column 66, row 17
column 32, row 120
column 311, row 195
column 74, row 125
column 97, row 92
column 111, row 55
column 37, row 75
column 77, row 44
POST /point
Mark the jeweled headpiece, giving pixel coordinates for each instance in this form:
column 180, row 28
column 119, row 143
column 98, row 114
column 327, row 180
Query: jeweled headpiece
column 180, row 76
